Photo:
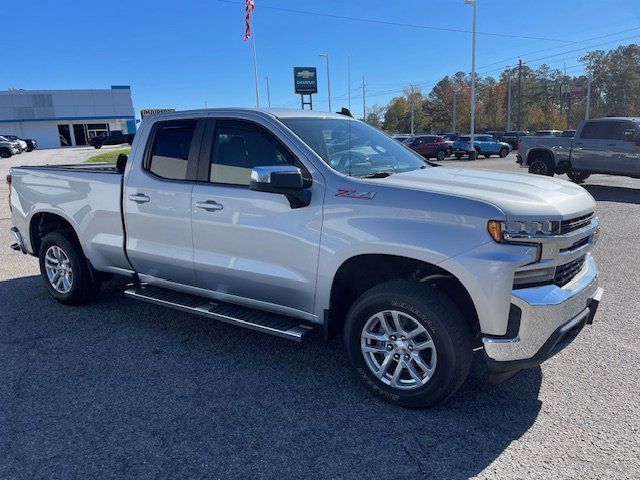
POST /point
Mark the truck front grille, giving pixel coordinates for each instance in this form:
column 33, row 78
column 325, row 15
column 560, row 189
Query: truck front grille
column 564, row 273
column 572, row 224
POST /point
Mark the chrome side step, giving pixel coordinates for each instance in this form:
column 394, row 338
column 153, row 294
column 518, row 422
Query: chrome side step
column 281, row 326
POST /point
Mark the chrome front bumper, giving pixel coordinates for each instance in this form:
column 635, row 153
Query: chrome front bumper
column 546, row 316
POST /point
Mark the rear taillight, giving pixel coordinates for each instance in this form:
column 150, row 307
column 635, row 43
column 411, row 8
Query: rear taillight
column 8, row 179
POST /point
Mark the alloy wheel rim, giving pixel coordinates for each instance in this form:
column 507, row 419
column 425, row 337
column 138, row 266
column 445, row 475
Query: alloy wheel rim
column 58, row 268
column 538, row 168
column 398, row 350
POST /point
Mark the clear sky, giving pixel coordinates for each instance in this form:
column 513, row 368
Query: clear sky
column 184, row 53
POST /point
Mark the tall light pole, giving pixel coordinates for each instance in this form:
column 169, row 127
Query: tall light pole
column 349, row 79
column 326, row 56
column 411, row 103
column 455, row 87
column 587, row 109
column 472, row 151
column 268, row 92
column 509, row 101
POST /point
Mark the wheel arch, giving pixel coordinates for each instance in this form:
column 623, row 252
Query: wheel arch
column 43, row 223
column 545, row 153
column 359, row 273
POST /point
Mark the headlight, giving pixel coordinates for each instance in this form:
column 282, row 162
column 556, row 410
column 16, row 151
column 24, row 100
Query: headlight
column 514, row 229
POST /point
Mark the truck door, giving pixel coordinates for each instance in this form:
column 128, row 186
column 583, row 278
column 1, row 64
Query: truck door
column 588, row 150
column 601, row 147
column 623, row 153
column 253, row 246
column 157, row 203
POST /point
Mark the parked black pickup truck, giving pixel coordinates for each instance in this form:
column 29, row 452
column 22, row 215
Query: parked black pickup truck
column 114, row 137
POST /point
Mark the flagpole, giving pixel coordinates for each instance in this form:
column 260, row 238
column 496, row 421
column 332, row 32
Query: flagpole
column 255, row 62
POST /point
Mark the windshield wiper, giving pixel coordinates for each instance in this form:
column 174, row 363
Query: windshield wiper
column 377, row 175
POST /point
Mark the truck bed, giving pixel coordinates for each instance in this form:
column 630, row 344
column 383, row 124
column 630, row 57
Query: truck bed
column 558, row 147
column 87, row 196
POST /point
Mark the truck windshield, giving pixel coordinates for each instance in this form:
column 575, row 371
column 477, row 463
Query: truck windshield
column 354, row 148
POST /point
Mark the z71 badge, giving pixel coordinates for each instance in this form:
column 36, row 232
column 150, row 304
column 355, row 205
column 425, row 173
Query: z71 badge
column 355, row 194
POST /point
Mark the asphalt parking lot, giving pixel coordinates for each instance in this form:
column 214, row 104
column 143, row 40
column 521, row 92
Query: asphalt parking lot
column 121, row 389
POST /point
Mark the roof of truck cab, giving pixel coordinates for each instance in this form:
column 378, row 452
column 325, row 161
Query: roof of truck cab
column 272, row 112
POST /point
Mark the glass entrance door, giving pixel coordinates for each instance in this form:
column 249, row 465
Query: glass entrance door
column 80, row 133
column 65, row 135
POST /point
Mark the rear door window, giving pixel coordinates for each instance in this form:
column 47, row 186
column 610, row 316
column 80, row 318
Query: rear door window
column 169, row 156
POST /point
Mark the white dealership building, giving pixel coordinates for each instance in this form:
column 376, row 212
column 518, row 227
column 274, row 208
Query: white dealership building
column 63, row 118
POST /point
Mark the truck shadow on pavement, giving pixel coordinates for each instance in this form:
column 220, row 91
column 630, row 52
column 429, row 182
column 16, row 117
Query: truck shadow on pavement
column 122, row 389
column 606, row 193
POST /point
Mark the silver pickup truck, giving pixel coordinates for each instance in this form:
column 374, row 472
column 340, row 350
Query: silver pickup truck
column 606, row 145
column 288, row 221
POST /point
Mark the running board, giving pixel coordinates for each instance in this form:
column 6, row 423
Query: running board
column 281, row 326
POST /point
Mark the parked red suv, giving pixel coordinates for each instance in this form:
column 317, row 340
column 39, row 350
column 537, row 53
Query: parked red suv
column 428, row 146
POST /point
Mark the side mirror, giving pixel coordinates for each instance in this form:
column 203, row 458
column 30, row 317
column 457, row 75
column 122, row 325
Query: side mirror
column 283, row 179
column 121, row 162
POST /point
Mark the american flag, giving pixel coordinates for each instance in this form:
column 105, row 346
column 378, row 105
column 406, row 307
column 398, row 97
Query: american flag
column 250, row 5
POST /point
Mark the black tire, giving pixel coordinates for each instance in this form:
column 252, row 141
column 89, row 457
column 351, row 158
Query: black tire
column 458, row 156
column 5, row 153
column 487, row 155
column 541, row 166
column 503, row 152
column 441, row 155
column 84, row 285
column 578, row 177
column 97, row 145
column 442, row 320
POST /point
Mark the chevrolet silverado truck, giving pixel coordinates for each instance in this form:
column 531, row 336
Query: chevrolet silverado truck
column 606, row 145
column 268, row 219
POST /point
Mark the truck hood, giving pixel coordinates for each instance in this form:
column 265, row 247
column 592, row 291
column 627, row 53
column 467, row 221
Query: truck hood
column 518, row 195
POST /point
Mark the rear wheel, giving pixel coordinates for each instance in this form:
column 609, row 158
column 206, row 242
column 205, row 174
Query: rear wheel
column 5, row 153
column 578, row 177
column 408, row 344
column 541, row 166
column 441, row 155
column 503, row 152
column 65, row 271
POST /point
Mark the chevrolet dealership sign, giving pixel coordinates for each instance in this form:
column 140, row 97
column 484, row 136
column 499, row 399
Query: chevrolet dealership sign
column 305, row 80
column 145, row 112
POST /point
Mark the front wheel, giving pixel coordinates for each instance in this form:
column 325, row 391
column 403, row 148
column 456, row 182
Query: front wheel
column 504, row 152
column 5, row 153
column 578, row 177
column 441, row 155
column 408, row 343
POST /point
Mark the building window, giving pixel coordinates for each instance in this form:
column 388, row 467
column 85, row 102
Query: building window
column 96, row 129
